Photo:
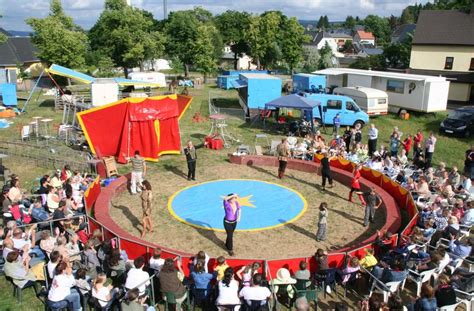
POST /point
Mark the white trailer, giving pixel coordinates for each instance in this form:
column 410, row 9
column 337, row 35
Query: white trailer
column 405, row 91
column 372, row 101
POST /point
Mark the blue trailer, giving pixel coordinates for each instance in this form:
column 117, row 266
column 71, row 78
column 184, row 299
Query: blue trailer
column 225, row 80
column 305, row 82
column 8, row 96
column 255, row 90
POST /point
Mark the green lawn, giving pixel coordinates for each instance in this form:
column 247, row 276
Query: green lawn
column 448, row 149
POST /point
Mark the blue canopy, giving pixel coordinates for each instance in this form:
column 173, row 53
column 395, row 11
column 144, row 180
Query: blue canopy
column 293, row 101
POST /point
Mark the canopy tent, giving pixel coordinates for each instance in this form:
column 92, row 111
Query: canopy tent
column 149, row 125
column 295, row 101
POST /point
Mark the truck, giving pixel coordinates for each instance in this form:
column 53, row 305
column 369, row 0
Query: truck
column 349, row 112
column 372, row 101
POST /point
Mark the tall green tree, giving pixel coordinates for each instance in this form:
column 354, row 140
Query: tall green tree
column 255, row 40
column 397, row 55
column 370, row 62
column 3, row 37
column 58, row 39
column 205, row 59
column 407, row 16
column 323, row 23
column 325, row 57
column 126, row 35
column 232, row 26
column 350, row 22
column 379, row 26
column 293, row 37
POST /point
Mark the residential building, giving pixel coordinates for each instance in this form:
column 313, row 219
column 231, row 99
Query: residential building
column 244, row 62
column 363, row 36
column 443, row 45
column 341, row 36
column 18, row 52
column 321, row 39
column 402, row 32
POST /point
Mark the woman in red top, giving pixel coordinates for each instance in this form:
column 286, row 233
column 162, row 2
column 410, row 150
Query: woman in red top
column 418, row 139
column 355, row 185
column 407, row 143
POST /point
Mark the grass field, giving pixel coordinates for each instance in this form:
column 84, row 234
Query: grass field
column 448, row 149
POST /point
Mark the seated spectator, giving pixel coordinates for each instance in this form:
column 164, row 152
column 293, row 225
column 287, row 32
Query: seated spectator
column 220, row 267
column 52, row 199
column 105, row 295
column 55, row 181
column 59, row 216
column 202, row 256
column 256, row 292
column 468, row 218
column 202, row 280
column 369, row 259
column 62, row 287
column 73, row 249
column 228, row 291
column 394, row 273
column 14, row 193
column 136, row 277
column 426, row 302
column 352, row 267
column 48, row 243
column 303, row 274
column 445, row 294
column 38, row 213
column 170, row 280
column 61, row 242
column 19, row 271
column 156, row 262
column 463, row 279
column 246, row 273
column 460, row 249
column 5, row 200
column 66, row 173
column 454, row 177
column 133, row 302
column 44, row 183
column 81, row 282
column 54, row 259
column 27, row 240
column 283, row 278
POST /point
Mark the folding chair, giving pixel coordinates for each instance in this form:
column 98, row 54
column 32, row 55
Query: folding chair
column 386, row 288
column 25, row 132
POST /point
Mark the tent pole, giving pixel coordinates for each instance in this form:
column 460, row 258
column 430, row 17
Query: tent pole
column 32, row 91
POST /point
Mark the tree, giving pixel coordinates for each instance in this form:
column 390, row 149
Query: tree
column 347, row 45
column 350, row 22
column 379, row 26
column 393, row 22
column 323, row 23
column 205, row 60
column 325, row 57
column 126, row 35
column 293, row 38
column 397, row 55
column 3, row 37
column 232, row 26
column 407, row 16
column 58, row 39
column 310, row 60
column 370, row 62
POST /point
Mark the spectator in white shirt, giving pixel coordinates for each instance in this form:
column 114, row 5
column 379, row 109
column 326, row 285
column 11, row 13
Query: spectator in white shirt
column 156, row 262
column 54, row 259
column 468, row 218
column 136, row 277
column 228, row 291
column 255, row 292
column 62, row 287
column 105, row 295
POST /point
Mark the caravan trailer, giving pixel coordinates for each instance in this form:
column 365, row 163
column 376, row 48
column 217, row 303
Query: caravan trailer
column 372, row 101
column 405, row 91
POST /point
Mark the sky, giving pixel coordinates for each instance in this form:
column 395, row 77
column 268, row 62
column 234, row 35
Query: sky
column 86, row 12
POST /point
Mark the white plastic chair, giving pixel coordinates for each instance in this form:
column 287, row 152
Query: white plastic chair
column 25, row 132
column 465, row 298
column 451, row 307
column 386, row 288
column 418, row 278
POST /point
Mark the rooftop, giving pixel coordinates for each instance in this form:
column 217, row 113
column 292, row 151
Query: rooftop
column 375, row 73
column 365, row 35
column 17, row 50
column 445, row 27
column 261, row 76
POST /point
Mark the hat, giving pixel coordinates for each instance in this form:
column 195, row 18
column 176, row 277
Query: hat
column 283, row 277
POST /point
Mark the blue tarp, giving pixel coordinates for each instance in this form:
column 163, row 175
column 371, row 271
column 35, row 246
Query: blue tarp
column 293, row 102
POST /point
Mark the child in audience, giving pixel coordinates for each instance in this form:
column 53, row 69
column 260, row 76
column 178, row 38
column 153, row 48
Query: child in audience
column 156, row 262
column 81, row 281
column 221, row 267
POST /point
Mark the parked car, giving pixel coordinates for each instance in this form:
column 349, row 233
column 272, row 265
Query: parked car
column 459, row 122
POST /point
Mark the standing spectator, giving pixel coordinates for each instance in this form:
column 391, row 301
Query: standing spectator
column 283, row 152
column 303, row 273
column 373, row 201
column 66, row 173
column 325, row 169
column 322, row 223
column 336, row 124
column 469, row 162
column 147, row 198
column 429, row 149
column 201, row 280
column 247, row 272
column 221, row 267
column 156, row 262
column 394, row 144
column 228, row 291
column 407, row 142
column 138, row 172
column 347, row 137
column 373, row 135
column 417, row 140
column 170, row 280
column 136, row 277
column 62, row 287
column 191, row 157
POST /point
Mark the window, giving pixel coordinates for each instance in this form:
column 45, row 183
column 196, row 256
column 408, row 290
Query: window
column 349, row 106
column 471, row 66
column 334, row 104
column 395, row 86
column 382, row 101
column 448, row 64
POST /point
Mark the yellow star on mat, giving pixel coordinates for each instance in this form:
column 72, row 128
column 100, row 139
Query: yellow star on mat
column 245, row 201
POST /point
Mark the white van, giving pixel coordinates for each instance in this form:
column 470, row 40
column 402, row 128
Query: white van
column 372, row 101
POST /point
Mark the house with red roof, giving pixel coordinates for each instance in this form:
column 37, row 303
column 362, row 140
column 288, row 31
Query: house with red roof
column 364, row 37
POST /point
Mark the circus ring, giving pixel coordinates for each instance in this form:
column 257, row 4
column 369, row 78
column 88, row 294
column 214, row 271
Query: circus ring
column 394, row 197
